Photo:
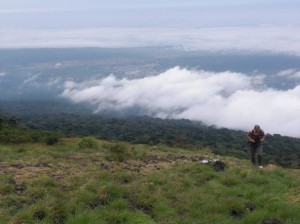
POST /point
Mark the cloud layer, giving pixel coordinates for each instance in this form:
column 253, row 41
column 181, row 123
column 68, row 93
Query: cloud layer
column 226, row 99
column 253, row 39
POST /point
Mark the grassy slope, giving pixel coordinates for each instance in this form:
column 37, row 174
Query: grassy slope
column 63, row 184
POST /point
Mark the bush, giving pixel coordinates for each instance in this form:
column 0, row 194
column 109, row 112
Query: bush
column 88, row 143
column 118, row 152
column 52, row 139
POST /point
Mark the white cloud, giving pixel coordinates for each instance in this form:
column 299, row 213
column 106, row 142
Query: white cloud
column 290, row 74
column 226, row 99
column 38, row 81
column 286, row 73
column 297, row 75
column 31, row 79
column 253, row 39
column 2, row 74
column 57, row 65
column 53, row 82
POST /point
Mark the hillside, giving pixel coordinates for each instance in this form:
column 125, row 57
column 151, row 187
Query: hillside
column 48, row 128
column 92, row 181
column 281, row 150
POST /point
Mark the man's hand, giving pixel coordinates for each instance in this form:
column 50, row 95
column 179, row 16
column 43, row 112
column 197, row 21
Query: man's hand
column 252, row 140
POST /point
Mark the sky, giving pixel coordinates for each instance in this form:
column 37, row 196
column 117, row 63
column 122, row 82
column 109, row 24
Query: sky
column 260, row 25
column 74, row 13
column 227, row 99
column 143, row 13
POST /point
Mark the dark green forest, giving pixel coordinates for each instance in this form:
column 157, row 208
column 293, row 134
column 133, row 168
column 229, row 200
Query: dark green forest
column 281, row 150
column 12, row 131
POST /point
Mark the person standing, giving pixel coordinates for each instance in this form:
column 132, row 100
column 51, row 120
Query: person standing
column 256, row 138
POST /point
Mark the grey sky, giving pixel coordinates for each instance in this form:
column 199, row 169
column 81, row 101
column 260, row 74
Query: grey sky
column 143, row 13
column 253, row 25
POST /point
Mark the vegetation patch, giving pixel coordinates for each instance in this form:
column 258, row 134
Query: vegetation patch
column 123, row 183
column 88, row 143
column 118, row 152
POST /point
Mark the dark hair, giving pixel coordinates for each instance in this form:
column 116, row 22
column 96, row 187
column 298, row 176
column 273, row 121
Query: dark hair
column 256, row 126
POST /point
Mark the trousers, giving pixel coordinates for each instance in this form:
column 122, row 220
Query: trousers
column 256, row 150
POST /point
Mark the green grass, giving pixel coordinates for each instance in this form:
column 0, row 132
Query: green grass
column 122, row 183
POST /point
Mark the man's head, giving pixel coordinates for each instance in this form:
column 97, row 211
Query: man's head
column 256, row 127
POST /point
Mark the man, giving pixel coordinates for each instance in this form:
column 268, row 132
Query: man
column 256, row 137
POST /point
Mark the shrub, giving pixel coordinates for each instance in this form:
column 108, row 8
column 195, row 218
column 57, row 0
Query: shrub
column 88, row 143
column 118, row 152
column 51, row 140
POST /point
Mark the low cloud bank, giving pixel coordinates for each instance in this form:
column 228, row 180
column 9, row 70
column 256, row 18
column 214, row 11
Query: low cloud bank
column 226, row 99
column 254, row 39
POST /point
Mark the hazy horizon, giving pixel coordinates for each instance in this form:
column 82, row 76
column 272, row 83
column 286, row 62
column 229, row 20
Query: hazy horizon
column 272, row 26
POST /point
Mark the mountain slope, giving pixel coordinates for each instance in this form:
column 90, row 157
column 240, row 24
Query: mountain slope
column 281, row 150
column 91, row 181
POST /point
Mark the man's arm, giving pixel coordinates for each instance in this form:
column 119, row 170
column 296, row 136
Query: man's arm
column 249, row 137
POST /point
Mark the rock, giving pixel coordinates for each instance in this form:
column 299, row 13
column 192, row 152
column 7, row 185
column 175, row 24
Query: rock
column 219, row 165
column 216, row 163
